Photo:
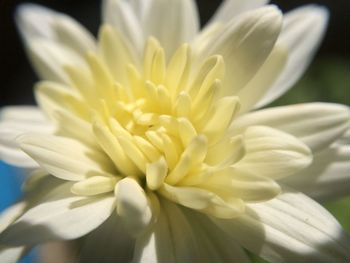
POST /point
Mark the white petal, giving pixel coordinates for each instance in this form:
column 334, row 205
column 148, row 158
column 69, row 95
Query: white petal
column 60, row 217
column 247, row 186
column 116, row 53
column 11, row 254
column 53, row 97
column 49, row 59
column 231, row 8
column 122, row 16
column 133, row 206
column 290, row 228
column 316, row 124
column 328, row 177
column 179, row 23
column 184, row 236
column 140, row 7
column 11, row 153
column 73, row 35
column 65, row 158
column 108, row 243
column 171, row 239
column 22, row 113
column 263, row 79
column 53, row 40
column 35, row 21
column 203, row 200
column 181, row 234
column 302, row 33
column 272, row 153
column 14, row 121
column 155, row 245
column 214, row 244
column 11, row 214
column 245, row 43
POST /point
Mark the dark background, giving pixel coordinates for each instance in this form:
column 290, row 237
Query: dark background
column 17, row 77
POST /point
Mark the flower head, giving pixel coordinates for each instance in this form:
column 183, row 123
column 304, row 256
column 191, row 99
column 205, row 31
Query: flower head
column 151, row 147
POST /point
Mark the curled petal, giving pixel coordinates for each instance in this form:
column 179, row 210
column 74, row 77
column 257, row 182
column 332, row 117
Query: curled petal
column 133, row 206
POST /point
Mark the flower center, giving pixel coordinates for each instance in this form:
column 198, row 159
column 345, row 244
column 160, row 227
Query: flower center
column 163, row 125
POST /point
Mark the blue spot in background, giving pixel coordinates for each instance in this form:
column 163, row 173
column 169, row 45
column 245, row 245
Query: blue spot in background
column 11, row 180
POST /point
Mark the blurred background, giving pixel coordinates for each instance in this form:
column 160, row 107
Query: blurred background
column 328, row 78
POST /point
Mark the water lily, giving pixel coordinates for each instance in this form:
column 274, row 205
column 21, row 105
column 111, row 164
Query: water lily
column 147, row 145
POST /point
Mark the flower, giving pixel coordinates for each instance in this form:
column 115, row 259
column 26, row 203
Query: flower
column 151, row 154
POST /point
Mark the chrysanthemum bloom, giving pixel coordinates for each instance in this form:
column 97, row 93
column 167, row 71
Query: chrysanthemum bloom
column 147, row 152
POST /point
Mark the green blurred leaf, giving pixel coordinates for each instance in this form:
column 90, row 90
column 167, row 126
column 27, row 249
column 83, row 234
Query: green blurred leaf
column 341, row 210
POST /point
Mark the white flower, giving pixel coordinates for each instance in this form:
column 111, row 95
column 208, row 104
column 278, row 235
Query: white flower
column 151, row 154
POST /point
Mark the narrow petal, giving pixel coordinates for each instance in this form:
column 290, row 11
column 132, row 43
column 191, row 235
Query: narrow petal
column 156, row 173
column 272, row 153
column 22, row 113
column 62, row 103
column 123, row 16
column 140, row 7
column 302, row 32
column 52, row 40
column 115, row 52
column 263, row 79
column 290, row 228
column 316, row 124
column 49, row 59
column 328, row 177
column 133, row 206
column 65, row 158
column 232, row 8
column 14, row 121
column 69, row 125
column 73, row 35
column 95, row 185
column 35, row 21
column 179, row 25
column 61, row 217
column 245, row 43
column 108, row 243
column 11, row 214
column 11, row 153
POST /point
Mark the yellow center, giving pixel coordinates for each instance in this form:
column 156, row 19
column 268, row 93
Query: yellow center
column 163, row 124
